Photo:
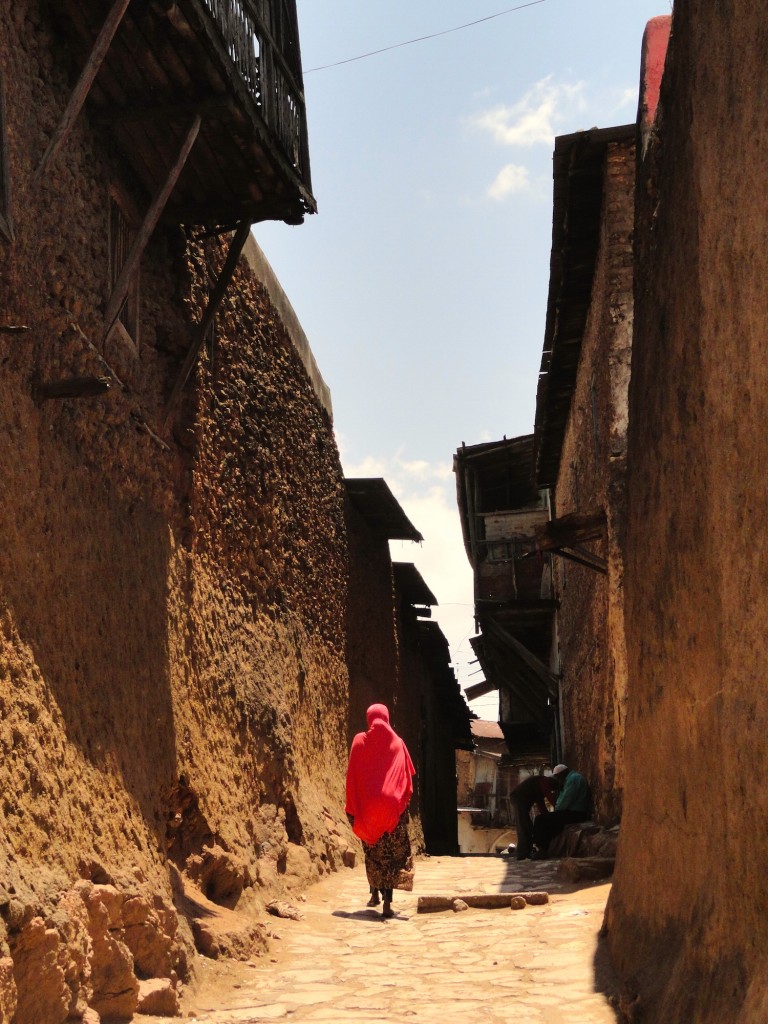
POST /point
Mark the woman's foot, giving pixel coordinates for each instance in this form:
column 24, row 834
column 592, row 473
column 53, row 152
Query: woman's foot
column 373, row 901
column 386, row 910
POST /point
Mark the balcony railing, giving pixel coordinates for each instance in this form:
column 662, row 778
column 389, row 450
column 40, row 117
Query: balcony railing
column 261, row 38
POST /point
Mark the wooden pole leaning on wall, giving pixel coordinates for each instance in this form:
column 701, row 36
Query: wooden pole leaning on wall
column 83, row 87
column 72, row 387
column 143, row 235
column 236, row 246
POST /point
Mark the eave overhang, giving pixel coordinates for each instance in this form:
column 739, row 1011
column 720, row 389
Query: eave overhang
column 235, row 64
column 374, row 501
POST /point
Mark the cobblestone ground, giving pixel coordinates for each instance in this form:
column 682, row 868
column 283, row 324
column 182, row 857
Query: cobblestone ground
column 343, row 962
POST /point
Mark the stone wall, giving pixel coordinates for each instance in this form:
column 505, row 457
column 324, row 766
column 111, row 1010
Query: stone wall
column 686, row 920
column 173, row 687
column 591, row 477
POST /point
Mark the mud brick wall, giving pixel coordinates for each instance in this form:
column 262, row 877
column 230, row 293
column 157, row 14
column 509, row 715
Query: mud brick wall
column 173, row 688
column 373, row 655
column 686, row 922
column 591, row 477
column 381, row 670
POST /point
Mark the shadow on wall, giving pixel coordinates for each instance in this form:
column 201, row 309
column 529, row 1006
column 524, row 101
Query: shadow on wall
column 85, row 581
column 607, row 983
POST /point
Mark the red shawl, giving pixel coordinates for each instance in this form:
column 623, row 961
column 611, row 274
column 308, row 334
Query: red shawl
column 379, row 783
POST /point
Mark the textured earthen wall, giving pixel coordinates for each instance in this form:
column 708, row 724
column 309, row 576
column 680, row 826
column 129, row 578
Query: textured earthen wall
column 686, row 921
column 382, row 668
column 438, row 786
column 590, row 619
column 172, row 607
column 372, row 646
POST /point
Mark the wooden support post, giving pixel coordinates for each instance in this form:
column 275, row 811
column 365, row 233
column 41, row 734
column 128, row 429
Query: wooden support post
column 235, row 248
column 83, row 87
column 144, row 233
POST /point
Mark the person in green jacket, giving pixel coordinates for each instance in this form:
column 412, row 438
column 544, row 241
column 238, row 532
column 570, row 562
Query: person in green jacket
column 573, row 804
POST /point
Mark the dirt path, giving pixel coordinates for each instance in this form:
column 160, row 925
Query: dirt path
column 344, row 963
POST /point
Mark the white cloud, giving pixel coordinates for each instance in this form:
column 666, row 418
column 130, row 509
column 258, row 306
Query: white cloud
column 510, row 180
column 534, row 118
column 628, row 98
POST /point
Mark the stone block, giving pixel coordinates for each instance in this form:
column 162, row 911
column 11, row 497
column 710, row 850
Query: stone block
column 158, row 997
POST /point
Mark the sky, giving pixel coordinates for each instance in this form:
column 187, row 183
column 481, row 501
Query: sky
column 421, row 283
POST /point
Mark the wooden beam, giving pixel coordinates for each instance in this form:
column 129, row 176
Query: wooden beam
column 571, row 529
column 73, row 387
column 583, row 557
column 236, row 246
column 83, row 87
column 479, row 690
column 143, row 235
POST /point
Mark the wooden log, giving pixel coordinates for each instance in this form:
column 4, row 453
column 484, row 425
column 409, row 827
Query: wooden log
column 484, row 901
column 73, row 387
column 144, row 233
column 81, row 90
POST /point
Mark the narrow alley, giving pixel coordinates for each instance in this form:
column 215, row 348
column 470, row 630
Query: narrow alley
column 343, row 962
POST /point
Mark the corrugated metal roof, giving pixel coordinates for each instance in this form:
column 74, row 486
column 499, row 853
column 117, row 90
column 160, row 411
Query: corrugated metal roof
column 485, row 730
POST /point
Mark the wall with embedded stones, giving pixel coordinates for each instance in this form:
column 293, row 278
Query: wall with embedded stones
column 173, row 688
column 686, row 920
column 591, row 478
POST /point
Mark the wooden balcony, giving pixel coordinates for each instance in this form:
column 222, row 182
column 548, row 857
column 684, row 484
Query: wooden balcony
column 235, row 65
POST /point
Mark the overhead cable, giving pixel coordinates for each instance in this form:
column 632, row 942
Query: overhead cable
column 421, row 39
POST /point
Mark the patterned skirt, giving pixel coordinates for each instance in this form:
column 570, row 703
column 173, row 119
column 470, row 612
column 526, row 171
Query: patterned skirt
column 388, row 863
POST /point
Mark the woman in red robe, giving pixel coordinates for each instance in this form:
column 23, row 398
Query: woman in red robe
column 379, row 789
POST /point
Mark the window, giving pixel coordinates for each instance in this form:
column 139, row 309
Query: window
column 6, row 221
column 510, row 549
column 121, row 235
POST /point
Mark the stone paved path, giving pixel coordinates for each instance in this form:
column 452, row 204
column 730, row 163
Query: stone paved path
column 345, row 963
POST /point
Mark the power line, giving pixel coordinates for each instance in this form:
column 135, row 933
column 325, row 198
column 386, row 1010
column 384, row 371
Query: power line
column 421, row 39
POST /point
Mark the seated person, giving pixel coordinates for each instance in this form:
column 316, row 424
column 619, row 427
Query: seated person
column 529, row 794
column 573, row 804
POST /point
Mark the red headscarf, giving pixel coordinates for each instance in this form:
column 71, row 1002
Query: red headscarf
column 379, row 783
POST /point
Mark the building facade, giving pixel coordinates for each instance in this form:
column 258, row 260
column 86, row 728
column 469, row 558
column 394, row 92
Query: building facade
column 173, row 564
column 580, row 439
column 688, row 942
